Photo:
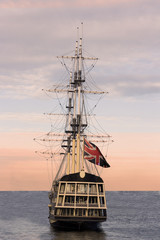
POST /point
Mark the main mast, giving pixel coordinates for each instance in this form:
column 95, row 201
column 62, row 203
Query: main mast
column 76, row 124
column 77, row 108
column 76, row 116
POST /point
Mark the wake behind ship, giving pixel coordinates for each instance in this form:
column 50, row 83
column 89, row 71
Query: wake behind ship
column 77, row 196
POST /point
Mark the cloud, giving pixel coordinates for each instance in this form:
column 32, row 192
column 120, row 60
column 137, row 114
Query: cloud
column 123, row 34
column 21, row 84
column 21, row 117
column 58, row 3
column 22, row 121
column 131, row 85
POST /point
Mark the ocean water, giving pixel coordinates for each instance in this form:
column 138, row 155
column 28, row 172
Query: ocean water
column 131, row 215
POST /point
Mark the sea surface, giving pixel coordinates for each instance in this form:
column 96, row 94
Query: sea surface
column 131, row 215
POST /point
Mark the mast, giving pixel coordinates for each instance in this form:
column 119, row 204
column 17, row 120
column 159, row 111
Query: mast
column 74, row 110
column 72, row 141
column 79, row 106
column 69, row 125
column 77, row 119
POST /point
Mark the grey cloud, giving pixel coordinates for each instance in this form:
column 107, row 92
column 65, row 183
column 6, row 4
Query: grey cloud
column 131, row 86
column 125, row 37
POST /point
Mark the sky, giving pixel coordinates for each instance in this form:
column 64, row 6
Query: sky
column 125, row 36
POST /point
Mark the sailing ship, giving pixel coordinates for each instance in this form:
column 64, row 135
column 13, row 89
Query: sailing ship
column 77, row 196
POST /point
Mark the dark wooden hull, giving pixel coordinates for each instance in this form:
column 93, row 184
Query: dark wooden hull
column 76, row 225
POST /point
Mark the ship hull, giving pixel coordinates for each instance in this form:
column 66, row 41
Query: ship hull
column 76, row 225
column 78, row 202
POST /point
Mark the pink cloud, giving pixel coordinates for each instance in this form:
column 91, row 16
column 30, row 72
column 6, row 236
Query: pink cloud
column 59, row 3
column 20, row 175
column 134, row 160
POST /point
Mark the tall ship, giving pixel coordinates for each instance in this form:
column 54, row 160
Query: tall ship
column 77, row 195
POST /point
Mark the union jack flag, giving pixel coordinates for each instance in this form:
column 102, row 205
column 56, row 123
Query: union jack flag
column 94, row 155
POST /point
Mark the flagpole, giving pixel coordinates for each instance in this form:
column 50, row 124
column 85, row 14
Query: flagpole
column 96, row 170
column 83, row 155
